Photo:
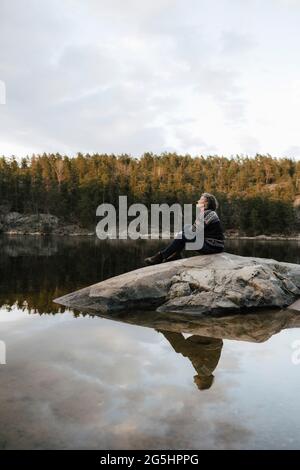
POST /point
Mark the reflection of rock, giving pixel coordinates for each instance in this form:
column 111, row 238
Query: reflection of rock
column 251, row 327
column 212, row 284
column 204, row 347
column 20, row 245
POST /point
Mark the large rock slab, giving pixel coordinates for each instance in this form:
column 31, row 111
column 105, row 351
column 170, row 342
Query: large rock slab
column 205, row 284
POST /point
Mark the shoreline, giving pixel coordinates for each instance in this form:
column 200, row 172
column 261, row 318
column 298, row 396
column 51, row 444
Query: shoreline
column 13, row 233
column 44, row 224
column 263, row 237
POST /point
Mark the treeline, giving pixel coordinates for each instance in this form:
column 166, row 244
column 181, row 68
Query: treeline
column 256, row 195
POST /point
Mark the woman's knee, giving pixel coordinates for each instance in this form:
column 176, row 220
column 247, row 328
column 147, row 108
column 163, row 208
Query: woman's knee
column 207, row 250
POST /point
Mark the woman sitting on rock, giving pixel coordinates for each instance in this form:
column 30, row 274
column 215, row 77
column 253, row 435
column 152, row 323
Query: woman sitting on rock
column 213, row 233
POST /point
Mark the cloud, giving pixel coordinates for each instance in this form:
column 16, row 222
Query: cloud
column 293, row 151
column 236, row 43
column 116, row 77
column 90, row 383
column 251, row 143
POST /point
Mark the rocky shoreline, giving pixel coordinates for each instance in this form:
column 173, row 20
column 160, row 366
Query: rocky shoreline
column 263, row 237
column 15, row 223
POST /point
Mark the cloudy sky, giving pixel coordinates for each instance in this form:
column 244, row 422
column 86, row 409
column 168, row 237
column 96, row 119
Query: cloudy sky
column 130, row 76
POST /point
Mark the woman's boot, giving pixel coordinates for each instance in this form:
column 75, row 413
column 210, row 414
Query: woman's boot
column 156, row 259
column 173, row 257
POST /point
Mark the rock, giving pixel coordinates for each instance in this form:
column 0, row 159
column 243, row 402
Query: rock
column 14, row 222
column 205, row 284
column 21, row 224
column 179, row 289
column 295, row 306
column 12, row 218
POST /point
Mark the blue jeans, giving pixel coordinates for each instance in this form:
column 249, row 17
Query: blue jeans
column 178, row 244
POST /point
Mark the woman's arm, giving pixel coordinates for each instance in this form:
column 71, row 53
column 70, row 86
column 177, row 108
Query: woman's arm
column 208, row 216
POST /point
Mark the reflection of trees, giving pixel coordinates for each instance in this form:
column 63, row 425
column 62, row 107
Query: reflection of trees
column 280, row 250
column 203, row 352
column 35, row 270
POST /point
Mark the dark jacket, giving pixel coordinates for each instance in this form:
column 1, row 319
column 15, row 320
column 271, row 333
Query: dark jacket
column 213, row 230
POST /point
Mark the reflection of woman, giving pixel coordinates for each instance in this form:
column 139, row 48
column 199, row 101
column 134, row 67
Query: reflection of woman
column 203, row 352
column 213, row 233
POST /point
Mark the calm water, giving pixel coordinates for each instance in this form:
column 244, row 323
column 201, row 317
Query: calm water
column 139, row 381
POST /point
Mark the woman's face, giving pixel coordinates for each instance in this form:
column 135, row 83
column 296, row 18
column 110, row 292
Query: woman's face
column 203, row 202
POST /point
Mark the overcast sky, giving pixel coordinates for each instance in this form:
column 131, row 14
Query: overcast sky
column 130, row 76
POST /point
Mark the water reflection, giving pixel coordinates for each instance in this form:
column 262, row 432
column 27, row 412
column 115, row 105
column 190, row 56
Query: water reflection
column 203, row 352
column 127, row 381
column 203, row 348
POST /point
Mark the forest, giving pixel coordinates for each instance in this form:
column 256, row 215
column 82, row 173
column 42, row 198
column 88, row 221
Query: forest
column 256, row 194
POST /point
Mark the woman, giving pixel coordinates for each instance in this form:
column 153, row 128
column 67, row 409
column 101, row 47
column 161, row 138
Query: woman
column 213, row 233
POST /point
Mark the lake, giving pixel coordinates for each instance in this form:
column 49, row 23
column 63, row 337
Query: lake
column 138, row 381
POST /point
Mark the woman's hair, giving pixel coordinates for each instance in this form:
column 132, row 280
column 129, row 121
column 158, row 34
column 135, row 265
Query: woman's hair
column 212, row 201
